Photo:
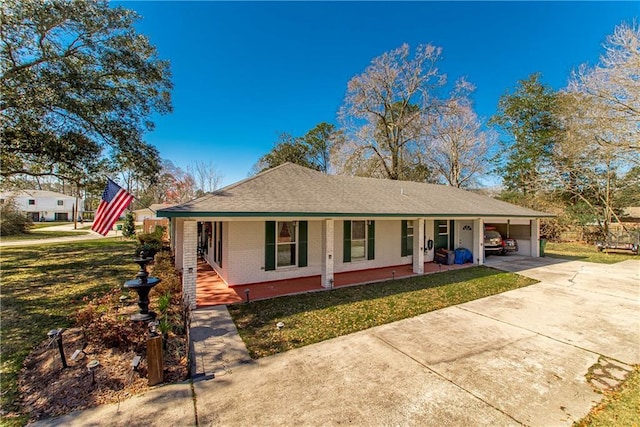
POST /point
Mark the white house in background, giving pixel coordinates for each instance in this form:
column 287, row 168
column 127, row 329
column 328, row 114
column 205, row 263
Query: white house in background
column 42, row 205
column 290, row 222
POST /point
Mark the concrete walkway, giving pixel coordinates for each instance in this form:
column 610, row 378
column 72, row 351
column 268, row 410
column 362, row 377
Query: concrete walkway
column 90, row 235
column 517, row 358
column 217, row 347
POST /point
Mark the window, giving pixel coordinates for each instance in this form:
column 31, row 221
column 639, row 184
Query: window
column 60, row 202
column 286, row 244
column 407, row 238
column 32, row 201
column 2, row 201
column 358, row 240
column 443, row 228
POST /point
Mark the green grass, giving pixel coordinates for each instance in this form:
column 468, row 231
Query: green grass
column 588, row 253
column 42, row 235
column 37, row 225
column 315, row 317
column 42, row 286
column 618, row 408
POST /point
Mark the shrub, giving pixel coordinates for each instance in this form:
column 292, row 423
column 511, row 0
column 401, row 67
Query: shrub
column 12, row 221
column 129, row 226
column 151, row 243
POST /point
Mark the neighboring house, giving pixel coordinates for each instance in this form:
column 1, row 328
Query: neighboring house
column 291, row 222
column 41, row 205
column 149, row 213
column 631, row 214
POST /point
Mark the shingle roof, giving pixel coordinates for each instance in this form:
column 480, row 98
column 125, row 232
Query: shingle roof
column 290, row 189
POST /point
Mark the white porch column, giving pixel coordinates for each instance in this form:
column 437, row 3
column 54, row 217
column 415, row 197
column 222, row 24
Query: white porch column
column 418, row 248
column 177, row 246
column 328, row 254
column 189, row 261
column 535, row 237
column 478, row 241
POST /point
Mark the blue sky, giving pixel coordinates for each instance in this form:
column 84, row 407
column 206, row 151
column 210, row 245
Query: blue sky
column 244, row 72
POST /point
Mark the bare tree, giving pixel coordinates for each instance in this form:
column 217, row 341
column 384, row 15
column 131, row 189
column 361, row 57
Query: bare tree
column 607, row 96
column 459, row 148
column 385, row 111
column 206, row 176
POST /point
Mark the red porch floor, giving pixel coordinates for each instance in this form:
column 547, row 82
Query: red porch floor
column 211, row 290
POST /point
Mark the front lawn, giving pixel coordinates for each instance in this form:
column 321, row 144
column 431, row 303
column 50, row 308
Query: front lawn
column 588, row 253
column 315, row 317
column 42, row 287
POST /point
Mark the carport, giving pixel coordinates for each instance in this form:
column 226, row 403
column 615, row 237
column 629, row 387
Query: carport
column 525, row 231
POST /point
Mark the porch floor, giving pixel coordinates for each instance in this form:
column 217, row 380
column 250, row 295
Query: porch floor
column 212, row 290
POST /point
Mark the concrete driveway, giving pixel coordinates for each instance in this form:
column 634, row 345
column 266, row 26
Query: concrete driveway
column 516, row 358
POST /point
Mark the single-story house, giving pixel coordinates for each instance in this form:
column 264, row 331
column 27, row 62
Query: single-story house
column 292, row 222
column 150, row 212
column 42, row 205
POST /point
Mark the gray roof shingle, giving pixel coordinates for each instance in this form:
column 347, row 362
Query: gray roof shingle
column 290, row 189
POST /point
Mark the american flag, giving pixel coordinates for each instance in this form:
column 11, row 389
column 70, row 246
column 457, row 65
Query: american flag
column 115, row 200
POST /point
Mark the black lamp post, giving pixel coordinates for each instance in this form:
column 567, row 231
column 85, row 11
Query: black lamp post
column 142, row 284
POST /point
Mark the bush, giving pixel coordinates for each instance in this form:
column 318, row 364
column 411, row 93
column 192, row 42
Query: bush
column 129, row 226
column 151, row 243
column 12, row 221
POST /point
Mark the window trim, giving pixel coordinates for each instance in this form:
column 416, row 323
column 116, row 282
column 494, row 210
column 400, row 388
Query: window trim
column 295, row 244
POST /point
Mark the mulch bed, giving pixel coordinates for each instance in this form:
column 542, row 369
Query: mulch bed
column 48, row 390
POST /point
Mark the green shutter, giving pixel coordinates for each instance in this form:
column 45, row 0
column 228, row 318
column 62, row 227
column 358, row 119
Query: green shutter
column 371, row 240
column 270, row 245
column 346, row 243
column 452, row 240
column 302, row 243
column 403, row 239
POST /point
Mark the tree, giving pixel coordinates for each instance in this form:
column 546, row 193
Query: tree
column 77, row 82
column 600, row 110
column 314, row 150
column 173, row 185
column 607, row 96
column 386, row 113
column 129, row 226
column 459, row 146
column 529, row 118
column 322, row 142
column 206, row 178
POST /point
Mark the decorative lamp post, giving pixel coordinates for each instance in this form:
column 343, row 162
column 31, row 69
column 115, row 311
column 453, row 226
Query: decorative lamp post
column 142, row 284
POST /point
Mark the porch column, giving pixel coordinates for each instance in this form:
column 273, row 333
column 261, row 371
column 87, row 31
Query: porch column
column 535, row 237
column 189, row 262
column 478, row 241
column 177, row 246
column 418, row 248
column 328, row 254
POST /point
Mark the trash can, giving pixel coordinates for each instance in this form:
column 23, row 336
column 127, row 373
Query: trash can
column 543, row 244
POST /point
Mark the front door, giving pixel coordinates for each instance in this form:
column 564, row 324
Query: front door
column 466, row 235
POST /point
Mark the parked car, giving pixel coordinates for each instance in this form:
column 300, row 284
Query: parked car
column 495, row 244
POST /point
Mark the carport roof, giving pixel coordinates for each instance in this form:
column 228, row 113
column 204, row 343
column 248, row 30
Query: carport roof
column 292, row 190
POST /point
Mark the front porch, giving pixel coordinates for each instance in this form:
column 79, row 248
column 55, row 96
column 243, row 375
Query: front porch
column 212, row 290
